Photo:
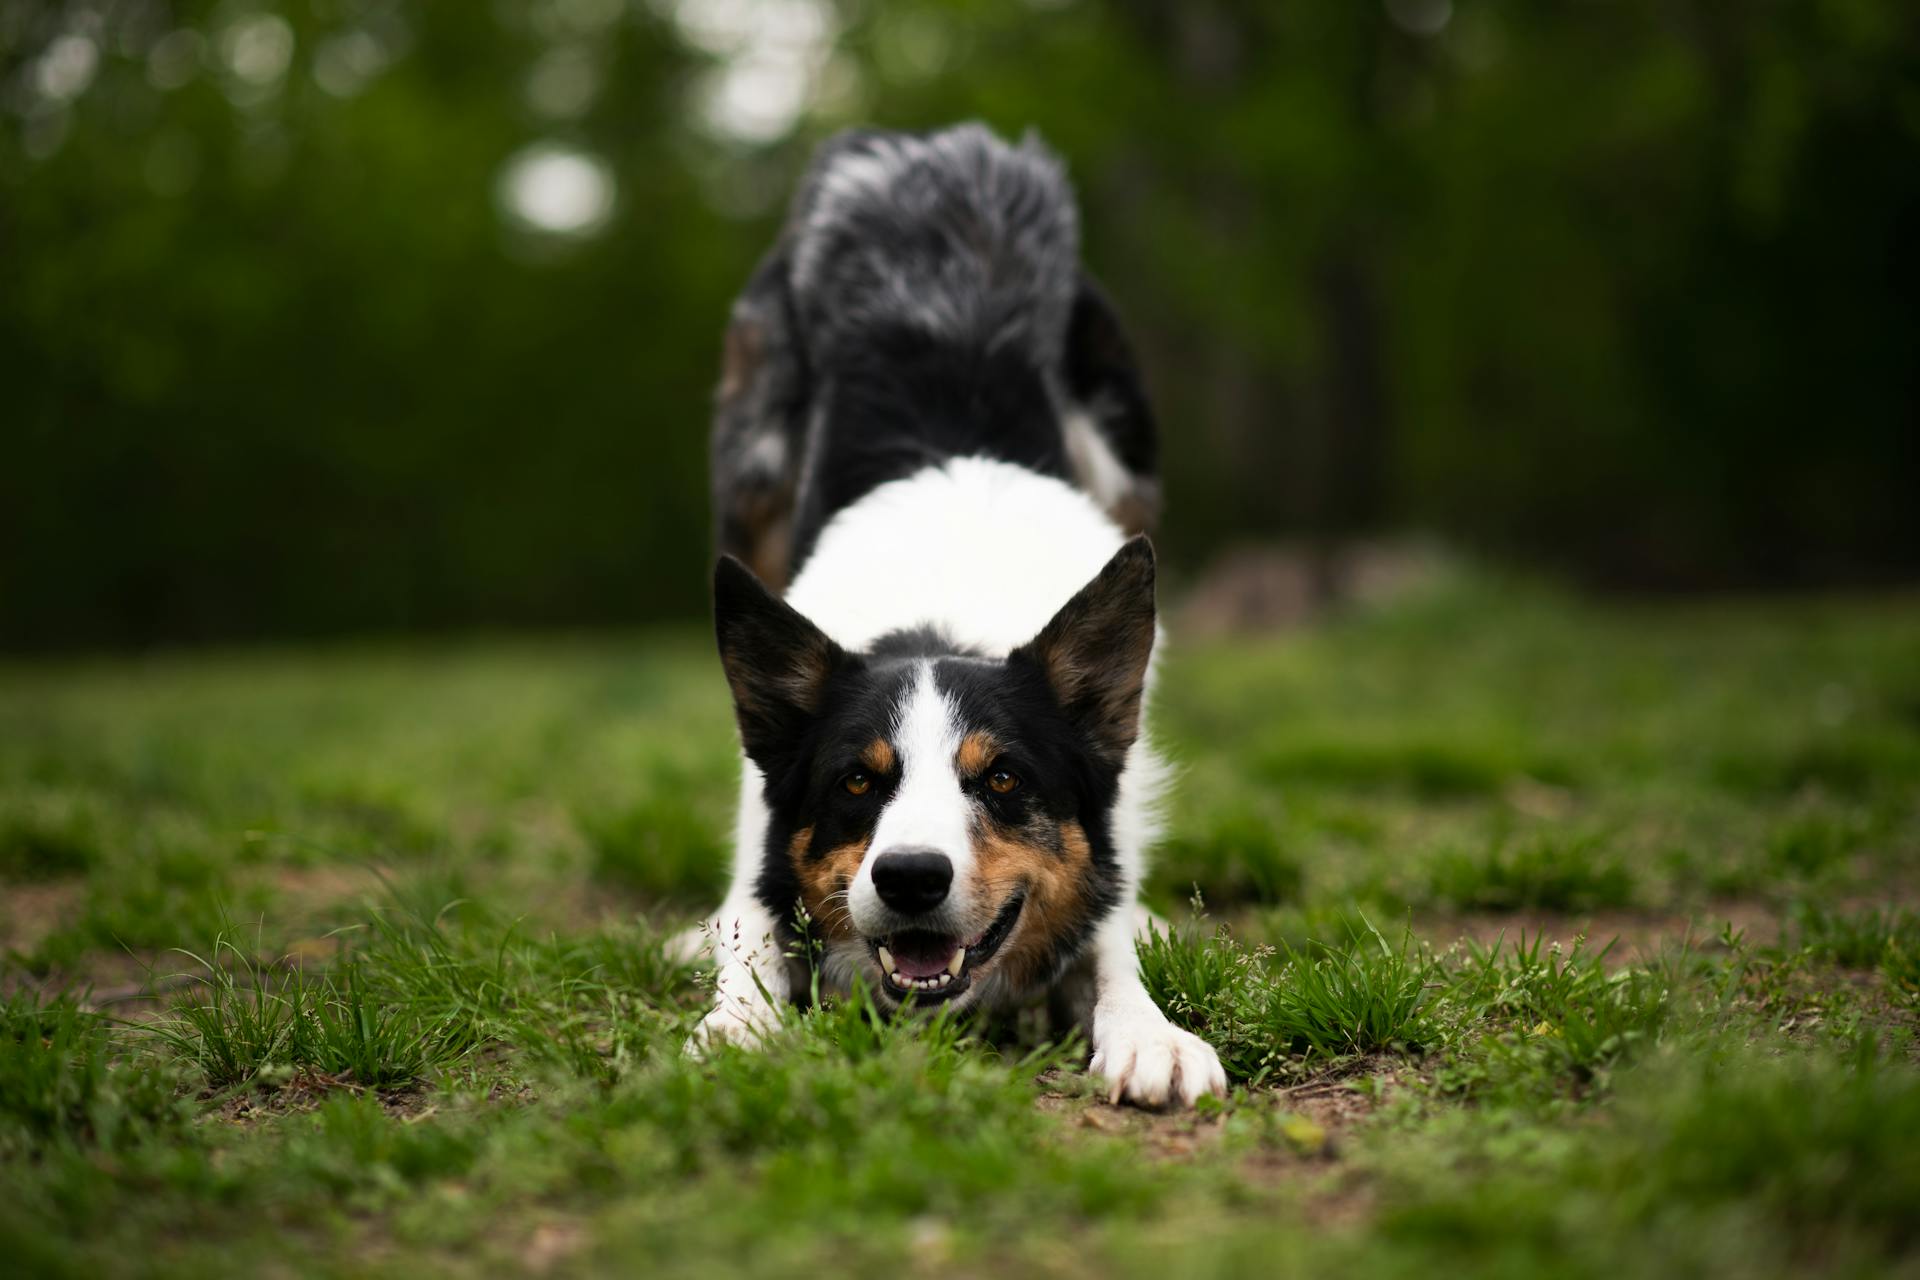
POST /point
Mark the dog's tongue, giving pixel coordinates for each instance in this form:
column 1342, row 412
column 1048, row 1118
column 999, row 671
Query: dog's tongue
column 921, row 955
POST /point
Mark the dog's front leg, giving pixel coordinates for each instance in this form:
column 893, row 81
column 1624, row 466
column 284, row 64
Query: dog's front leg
column 751, row 980
column 1144, row 1057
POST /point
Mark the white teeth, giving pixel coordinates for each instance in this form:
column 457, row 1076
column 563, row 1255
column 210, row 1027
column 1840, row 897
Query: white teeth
column 920, row 984
column 935, row 983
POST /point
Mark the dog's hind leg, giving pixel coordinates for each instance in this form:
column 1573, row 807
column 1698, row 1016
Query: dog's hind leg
column 758, row 421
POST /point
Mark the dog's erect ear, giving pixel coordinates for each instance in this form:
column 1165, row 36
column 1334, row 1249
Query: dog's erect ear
column 777, row 663
column 1094, row 653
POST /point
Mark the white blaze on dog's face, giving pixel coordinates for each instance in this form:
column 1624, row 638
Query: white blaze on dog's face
column 942, row 819
column 923, row 832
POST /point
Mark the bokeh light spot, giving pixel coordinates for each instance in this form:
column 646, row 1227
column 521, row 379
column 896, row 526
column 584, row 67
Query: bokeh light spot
column 771, row 54
column 557, row 190
column 258, row 48
column 67, row 67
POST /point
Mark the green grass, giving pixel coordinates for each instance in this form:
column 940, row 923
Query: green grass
column 243, row 1021
column 352, row 962
column 1544, row 874
column 61, row 1084
column 1283, row 1009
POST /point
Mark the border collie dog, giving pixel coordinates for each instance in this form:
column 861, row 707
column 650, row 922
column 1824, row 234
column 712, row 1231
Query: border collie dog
column 931, row 435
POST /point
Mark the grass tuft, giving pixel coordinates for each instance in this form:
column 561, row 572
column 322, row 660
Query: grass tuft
column 1856, row 939
column 1264, row 1008
column 245, row 1019
column 1544, row 874
column 340, row 1030
column 1365, row 998
column 1558, row 1011
column 1218, row 989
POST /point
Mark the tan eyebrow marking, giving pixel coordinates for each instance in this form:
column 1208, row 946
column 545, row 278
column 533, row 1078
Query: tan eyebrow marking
column 977, row 751
column 878, row 756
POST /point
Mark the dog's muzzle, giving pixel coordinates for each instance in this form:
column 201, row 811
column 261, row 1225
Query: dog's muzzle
column 930, row 967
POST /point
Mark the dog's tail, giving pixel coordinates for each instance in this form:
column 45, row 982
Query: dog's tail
column 955, row 235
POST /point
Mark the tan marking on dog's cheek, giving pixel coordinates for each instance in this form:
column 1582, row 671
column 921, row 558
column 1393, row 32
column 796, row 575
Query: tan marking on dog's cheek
column 878, row 756
column 977, row 751
column 824, row 881
column 1056, row 883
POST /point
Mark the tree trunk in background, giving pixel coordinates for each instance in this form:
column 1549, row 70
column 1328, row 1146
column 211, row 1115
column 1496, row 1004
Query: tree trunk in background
column 1307, row 445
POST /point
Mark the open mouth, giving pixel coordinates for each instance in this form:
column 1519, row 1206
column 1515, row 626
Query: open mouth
column 939, row 966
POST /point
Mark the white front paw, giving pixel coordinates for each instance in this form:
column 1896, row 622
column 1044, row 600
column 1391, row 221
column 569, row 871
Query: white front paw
column 1149, row 1061
column 734, row 1021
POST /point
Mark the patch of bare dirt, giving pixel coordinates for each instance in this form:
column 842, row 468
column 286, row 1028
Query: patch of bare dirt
column 127, row 984
column 329, row 882
column 553, row 1242
column 1304, row 1131
column 304, row 1090
column 29, row 912
column 1165, row 1135
column 1341, row 1098
column 1317, row 1120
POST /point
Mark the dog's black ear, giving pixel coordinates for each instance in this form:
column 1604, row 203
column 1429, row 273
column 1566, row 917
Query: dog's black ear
column 777, row 663
column 1104, row 380
column 1095, row 651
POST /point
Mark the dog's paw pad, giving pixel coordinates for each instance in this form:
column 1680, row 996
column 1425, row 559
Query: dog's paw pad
column 1148, row 1061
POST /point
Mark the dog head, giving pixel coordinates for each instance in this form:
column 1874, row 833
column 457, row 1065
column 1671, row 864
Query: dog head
column 942, row 816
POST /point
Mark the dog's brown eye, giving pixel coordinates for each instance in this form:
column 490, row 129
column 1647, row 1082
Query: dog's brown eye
column 1003, row 781
column 857, row 784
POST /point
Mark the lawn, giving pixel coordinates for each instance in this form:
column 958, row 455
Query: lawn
column 1539, row 936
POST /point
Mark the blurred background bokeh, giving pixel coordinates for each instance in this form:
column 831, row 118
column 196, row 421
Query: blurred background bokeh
column 351, row 316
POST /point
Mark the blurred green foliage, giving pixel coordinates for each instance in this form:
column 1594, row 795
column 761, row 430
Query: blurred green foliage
column 1630, row 288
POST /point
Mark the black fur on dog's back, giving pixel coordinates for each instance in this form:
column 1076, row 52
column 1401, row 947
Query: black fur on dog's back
column 924, row 302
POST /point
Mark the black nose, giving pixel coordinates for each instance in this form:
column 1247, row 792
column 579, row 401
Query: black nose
column 912, row 880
